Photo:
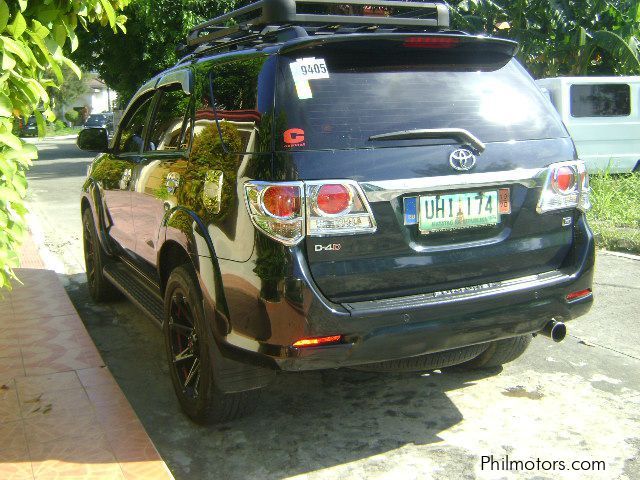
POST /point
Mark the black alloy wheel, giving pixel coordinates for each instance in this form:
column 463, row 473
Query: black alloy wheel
column 94, row 259
column 89, row 254
column 190, row 356
column 183, row 341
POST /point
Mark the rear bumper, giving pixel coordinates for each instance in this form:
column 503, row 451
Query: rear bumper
column 403, row 327
column 407, row 332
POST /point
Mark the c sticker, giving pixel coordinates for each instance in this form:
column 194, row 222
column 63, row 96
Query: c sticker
column 294, row 137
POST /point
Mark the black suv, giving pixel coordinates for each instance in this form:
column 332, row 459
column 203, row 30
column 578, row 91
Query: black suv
column 332, row 184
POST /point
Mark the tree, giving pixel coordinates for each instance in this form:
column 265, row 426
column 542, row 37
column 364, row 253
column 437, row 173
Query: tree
column 71, row 116
column 561, row 37
column 72, row 88
column 34, row 36
column 154, row 29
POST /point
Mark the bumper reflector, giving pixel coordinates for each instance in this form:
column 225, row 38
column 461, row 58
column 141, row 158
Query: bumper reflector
column 578, row 294
column 314, row 342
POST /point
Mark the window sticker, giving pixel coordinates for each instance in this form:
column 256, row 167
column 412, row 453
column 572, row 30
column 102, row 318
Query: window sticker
column 294, row 137
column 305, row 69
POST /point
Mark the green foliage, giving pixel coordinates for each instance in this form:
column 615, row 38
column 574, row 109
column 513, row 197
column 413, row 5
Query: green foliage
column 154, row 30
column 58, row 128
column 615, row 216
column 557, row 37
column 34, row 37
column 561, row 37
column 71, row 89
column 71, row 116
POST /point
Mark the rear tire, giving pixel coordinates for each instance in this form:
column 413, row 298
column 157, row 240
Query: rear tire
column 189, row 355
column 430, row 361
column 95, row 258
column 499, row 353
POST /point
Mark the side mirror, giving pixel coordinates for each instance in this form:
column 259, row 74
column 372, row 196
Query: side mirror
column 93, row 139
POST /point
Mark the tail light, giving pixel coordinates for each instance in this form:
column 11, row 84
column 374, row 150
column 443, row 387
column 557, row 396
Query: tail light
column 584, row 201
column 337, row 207
column 333, row 199
column 282, row 210
column 277, row 209
column 566, row 186
column 564, row 179
column 282, row 202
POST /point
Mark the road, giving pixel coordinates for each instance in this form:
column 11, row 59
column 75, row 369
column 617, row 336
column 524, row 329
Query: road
column 577, row 400
column 53, row 197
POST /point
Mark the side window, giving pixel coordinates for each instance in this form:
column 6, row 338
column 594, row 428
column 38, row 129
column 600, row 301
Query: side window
column 166, row 130
column 131, row 140
column 229, row 95
column 603, row 100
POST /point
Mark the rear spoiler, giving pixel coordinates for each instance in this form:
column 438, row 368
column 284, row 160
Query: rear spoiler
column 439, row 41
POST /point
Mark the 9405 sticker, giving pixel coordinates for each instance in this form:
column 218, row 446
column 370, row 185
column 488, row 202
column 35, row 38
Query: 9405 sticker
column 305, row 69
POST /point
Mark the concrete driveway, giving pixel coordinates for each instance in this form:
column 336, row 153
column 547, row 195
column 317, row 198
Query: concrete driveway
column 574, row 401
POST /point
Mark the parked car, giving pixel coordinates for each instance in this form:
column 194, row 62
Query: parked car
column 28, row 127
column 290, row 197
column 100, row 120
column 602, row 115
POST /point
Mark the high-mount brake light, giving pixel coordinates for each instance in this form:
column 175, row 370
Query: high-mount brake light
column 285, row 211
column 431, row 42
column 566, row 186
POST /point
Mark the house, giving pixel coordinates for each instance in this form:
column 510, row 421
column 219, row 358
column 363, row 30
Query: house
column 97, row 99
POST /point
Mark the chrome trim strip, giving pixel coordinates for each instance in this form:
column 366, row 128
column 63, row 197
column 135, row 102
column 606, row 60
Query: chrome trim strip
column 456, row 294
column 386, row 190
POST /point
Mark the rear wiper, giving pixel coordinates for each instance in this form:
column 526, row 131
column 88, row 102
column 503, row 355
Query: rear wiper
column 460, row 134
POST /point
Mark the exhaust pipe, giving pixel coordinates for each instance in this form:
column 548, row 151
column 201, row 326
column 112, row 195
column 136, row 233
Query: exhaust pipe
column 555, row 330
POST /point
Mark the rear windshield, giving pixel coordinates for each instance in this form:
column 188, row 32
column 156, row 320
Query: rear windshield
column 337, row 96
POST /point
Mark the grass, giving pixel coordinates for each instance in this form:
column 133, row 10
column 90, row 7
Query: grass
column 615, row 216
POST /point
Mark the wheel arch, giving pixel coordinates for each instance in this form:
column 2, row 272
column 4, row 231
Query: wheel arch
column 186, row 237
column 192, row 243
column 171, row 255
column 92, row 200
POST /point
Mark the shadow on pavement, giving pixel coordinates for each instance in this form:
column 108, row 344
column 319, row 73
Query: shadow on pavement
column 304, row 422
column 58, row 169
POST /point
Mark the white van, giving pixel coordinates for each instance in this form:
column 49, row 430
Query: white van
column 602, row 115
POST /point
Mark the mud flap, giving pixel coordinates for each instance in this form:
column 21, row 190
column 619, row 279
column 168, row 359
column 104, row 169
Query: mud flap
column 232, row 376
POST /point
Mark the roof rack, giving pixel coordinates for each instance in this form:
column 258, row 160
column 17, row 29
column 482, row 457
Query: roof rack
column 267, row 16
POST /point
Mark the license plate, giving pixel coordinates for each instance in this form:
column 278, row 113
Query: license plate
column 460, row 210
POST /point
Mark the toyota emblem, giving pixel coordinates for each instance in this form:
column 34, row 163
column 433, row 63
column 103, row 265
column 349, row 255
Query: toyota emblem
column 462, row 159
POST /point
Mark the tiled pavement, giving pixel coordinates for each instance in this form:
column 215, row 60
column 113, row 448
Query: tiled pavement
column 62, row 414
